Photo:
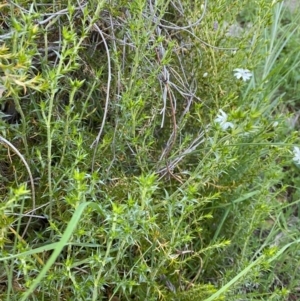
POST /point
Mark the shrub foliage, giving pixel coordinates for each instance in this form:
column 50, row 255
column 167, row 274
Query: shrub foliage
column 156, row 173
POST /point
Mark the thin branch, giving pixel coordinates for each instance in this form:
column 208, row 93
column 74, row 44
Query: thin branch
column 96, row 142
column 15, row 150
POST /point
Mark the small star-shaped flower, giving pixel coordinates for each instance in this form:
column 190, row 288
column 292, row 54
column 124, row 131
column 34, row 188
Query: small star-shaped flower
column 222, row 121
column 296, row 152
column 244, row 74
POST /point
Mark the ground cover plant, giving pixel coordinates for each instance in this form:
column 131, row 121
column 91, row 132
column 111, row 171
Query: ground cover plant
column 149, row 150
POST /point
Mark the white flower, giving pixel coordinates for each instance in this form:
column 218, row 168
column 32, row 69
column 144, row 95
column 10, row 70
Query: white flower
column 244, row 74
column 222, row 121
column 296, row 152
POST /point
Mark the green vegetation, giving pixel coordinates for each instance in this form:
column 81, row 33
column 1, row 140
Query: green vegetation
column 149, row 150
